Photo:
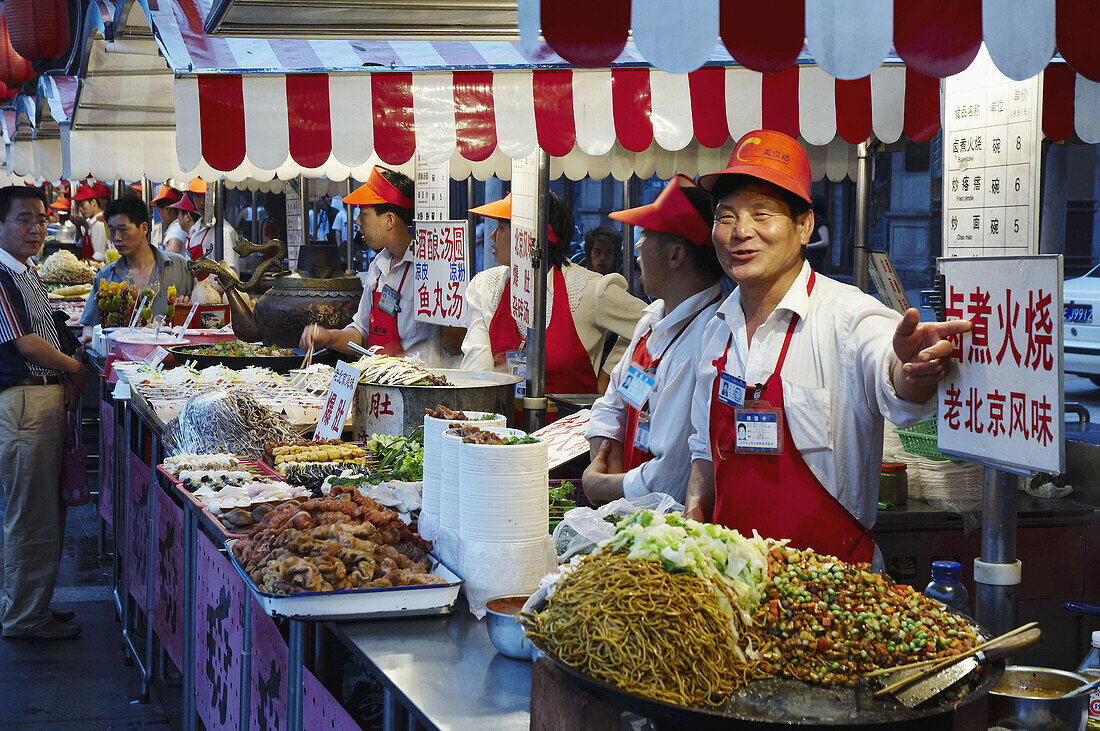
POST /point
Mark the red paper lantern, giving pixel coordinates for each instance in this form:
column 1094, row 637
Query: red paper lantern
column 38, row 29
column 14, row 69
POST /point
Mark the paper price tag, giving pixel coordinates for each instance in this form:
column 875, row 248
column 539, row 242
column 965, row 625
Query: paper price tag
column 155, row 358
column 337, row 402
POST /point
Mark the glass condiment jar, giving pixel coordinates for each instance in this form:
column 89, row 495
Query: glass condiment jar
column 893, row 484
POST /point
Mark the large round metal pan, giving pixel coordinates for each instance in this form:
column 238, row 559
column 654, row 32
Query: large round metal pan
column 277, row 363
column 784, row 702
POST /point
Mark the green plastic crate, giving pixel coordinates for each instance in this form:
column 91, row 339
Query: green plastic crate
column 920, row 439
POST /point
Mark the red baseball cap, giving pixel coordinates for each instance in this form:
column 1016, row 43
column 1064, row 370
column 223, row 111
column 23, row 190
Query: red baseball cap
column 101, row 190
column 184, row 204
column 500, row 210
column 84, row 193
column 770, row 156
column 378, row 191
column 165, row 196
column 671, row 213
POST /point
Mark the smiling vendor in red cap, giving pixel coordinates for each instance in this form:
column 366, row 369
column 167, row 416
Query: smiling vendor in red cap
column 582, row 308
column 807, row 365
column 639, row 429
column 386, row 312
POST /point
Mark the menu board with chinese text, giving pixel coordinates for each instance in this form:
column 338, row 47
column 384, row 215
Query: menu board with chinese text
column 442, row 272
column 525, row 196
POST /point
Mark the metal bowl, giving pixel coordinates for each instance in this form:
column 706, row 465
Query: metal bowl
column 1028, row 697
column 505, row 629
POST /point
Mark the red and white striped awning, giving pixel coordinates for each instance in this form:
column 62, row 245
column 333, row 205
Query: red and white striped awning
column 610, row 121
column 848, row 38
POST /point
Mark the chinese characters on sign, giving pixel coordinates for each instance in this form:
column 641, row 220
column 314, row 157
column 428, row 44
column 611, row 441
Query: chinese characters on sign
column 524, row 220
column 442, row 271
column 337, row 401
column 1002, row 401
column 433, row 193
column 991, row 163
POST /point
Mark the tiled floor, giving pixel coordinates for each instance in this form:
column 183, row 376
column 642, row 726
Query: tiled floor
column 80, row 683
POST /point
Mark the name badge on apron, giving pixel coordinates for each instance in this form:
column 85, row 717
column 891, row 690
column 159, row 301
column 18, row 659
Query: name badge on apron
column 517, row 366
column 731, row 390
column 636, row 387
column 759, row 429
column 641, row 432
column 389, row 301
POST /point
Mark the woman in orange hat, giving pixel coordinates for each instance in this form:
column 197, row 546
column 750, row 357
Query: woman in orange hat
column 583, row 307
column 167, row 233
column 386, row 316
column 96, row 242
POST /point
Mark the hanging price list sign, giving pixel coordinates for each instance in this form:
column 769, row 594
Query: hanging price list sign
column 991, row 144
column 524, row 220
column 1002, row 403
column 442, row 272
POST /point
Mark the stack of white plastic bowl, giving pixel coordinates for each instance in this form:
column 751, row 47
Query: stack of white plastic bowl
column 434, row 466
column 446, row 528
column 504, row 544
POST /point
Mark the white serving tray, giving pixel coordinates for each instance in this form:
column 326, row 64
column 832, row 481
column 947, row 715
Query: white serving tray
column 396, row 601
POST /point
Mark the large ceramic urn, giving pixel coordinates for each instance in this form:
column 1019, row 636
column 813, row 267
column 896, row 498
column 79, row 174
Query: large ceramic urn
column 293, row 302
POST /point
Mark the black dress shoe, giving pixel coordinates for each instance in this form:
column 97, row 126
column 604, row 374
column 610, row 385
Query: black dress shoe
column 63, row 615
column 52, row 630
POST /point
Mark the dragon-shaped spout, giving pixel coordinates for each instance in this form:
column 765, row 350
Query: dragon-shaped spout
column 243, row 318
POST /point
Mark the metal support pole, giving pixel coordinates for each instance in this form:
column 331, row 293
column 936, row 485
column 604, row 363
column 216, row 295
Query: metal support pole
column 219, row 217
column 257, row 233
column 628, row 236
column 534, row 403
column 861, row 258
column 348, row 227
column 305, row 210
column 997, row 572
column 471, row 228
column 297, row 652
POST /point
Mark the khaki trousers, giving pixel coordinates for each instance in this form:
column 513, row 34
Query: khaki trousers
column 32, row 436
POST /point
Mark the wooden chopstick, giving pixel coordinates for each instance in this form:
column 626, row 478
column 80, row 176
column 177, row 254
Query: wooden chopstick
column 944, row 662
column 933, row 661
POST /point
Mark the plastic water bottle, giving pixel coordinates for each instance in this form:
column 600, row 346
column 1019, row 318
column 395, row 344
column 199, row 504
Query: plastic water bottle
column 1090, row 668
column 947, row 587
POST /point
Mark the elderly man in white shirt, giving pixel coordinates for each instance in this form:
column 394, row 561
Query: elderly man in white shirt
column 638, row 431
column 797, row 371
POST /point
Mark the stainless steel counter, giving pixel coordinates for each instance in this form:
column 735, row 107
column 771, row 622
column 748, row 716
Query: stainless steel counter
column 444, row 670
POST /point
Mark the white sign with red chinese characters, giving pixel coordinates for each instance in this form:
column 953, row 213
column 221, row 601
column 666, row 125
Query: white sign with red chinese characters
column 442, row 272
column 337, row 402
column 525, row 216
column 1002, row 403
column 991, row 148
column 887, row 282
column 433, row 190
column 565, row 437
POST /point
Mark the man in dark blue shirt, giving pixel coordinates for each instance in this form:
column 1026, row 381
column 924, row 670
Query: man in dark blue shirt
column 38, row 385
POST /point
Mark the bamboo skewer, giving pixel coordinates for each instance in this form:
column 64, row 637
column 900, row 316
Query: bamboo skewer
column 933, row 661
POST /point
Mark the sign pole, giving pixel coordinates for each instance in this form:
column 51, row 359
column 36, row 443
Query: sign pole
column 861, row 256
column 997, row 573
column 534, row 402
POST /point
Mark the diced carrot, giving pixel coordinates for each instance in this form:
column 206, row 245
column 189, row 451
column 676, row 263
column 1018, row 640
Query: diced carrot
column 823, row 644
column 773, row 607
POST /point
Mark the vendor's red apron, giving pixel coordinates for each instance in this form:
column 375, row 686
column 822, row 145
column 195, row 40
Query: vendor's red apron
column 568, row 367
column 382, row 328
column 503, row 332
column 632, row 456
column 778, row 495
column 195, row 250
column 87, row 251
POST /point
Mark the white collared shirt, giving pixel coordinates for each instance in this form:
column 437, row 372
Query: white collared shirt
column 385, row 271
column 19, row 267
column 837, row 383
column 670, row 401
column 97, row 230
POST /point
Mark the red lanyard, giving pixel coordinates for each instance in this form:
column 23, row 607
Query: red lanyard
column 656, row 361
column 403, row 275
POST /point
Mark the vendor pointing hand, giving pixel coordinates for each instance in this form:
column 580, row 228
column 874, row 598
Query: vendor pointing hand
column 797, row 371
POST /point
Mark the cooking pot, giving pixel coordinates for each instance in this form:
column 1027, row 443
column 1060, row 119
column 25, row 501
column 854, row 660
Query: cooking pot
column 1029, row 698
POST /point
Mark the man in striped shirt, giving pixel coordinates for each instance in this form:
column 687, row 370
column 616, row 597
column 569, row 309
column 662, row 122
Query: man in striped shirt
column 39, row 384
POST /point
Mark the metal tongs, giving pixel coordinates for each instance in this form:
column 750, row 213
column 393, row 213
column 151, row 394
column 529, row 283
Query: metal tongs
column 915, row 683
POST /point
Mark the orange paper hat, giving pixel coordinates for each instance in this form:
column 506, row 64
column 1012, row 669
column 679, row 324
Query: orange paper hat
column 500, row 210
column 769, row 156
column 378, row 191
column 198, row 185
column 671, row 213
column 166, row 196
column 61, row 204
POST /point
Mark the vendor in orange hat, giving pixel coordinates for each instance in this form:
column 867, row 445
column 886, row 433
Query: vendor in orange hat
column 200, row 239
column 386, row 312
column 58, row 210
column 167, row 234
column 639, row 428
column 807, row 365
column 96, row 242
column 582, row 308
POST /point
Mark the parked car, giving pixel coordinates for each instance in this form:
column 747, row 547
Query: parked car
column 1081, row 329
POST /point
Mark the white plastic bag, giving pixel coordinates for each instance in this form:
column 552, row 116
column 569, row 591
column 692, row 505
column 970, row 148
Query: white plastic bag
column 582, row 528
